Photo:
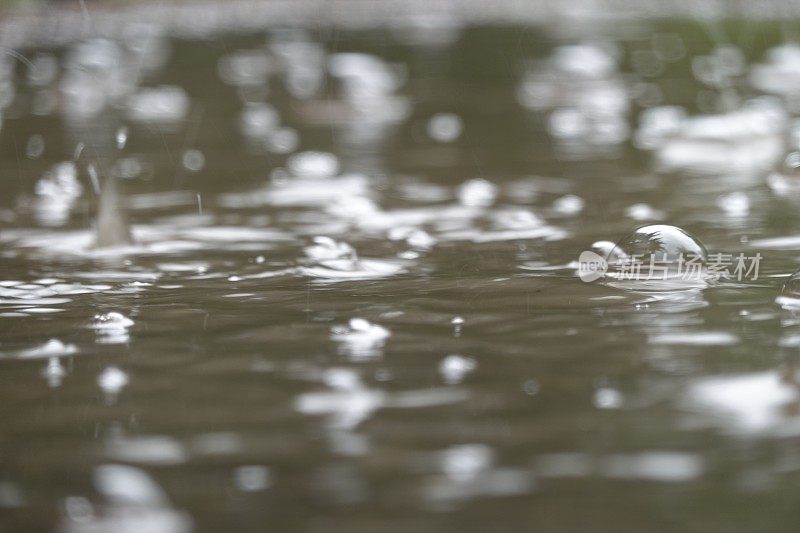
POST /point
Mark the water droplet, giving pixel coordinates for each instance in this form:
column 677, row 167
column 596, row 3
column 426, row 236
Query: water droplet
column 454, row 368
column 112, row 380
column 608, row 398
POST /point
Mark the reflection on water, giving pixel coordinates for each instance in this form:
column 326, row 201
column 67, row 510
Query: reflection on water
column 324, row 279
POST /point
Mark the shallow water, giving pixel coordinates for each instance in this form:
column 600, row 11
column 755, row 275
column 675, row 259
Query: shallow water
column 394, row 338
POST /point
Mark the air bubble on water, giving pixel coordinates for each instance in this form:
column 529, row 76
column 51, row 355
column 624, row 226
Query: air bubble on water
column 569, row 204
column 315, row 165
column 454, row 368
column 54, row 372
column 112, row 380
column 789, row 297
column 666, row 242
column 735, row 204
column 608, row 398
column 111, row 327
column 445, row 127
column 193, row 160
column 477, row 193
column 111, row 321
column 34, row 148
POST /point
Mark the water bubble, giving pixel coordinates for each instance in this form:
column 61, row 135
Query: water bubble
column 111, row 321
column 111, row 327
column 789, row 297
column 315, row 165
column 663, row 241
column 445, row 127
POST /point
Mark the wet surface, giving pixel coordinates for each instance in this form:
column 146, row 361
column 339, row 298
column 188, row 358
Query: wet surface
column 350, row 300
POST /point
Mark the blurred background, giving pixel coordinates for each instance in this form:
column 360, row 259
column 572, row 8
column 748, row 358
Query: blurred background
column 313, row 266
